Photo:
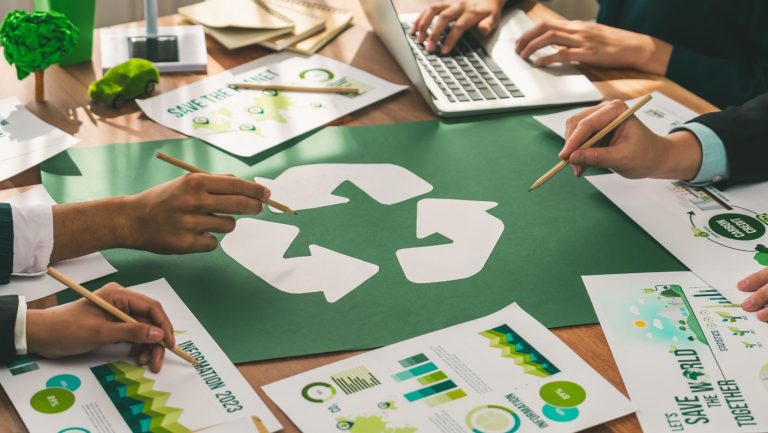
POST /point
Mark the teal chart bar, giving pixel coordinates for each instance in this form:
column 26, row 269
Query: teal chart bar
column 415, row 371
column 413, row 360
column 430, row 390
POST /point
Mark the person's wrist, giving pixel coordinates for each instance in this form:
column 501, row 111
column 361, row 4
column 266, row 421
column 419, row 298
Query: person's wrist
column 38, row 328
column 126, row 222
column 681, row 157
column 651, row 55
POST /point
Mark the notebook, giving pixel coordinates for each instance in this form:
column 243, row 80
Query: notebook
column 308, row 21
column 336, row 21
column 245, row 14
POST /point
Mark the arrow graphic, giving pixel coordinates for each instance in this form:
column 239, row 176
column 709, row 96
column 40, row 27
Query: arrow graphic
column 311, row 186
column 260, row 246
column 474, row 233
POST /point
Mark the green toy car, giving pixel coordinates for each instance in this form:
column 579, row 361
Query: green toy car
column 125, row 81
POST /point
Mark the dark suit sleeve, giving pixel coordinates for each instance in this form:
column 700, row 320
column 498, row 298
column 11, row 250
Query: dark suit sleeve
column 6, row 243
column 744, row 132
column 9, row 307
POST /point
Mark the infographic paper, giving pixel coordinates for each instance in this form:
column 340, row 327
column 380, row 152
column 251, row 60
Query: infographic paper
column 661, row 114
column 722, row 236
column 25, row 140
column 707, row 357
column 81, row 269
column 246, row 122
column 107, row 392
column 503, row 373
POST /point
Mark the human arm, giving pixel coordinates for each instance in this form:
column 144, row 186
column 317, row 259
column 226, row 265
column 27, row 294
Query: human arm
column 463, row 14
column 174, row 217
column 81, row 326
column 595, row 44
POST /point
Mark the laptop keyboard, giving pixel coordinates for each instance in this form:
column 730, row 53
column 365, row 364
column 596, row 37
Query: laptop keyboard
column 467, row 73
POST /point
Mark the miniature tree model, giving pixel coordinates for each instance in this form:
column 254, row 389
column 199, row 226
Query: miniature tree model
column 34, row 41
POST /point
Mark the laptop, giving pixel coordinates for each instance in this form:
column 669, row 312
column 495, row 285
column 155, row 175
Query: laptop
column 479, row 75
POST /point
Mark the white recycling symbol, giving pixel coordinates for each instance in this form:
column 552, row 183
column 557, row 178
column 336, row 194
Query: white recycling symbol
column 473, row 231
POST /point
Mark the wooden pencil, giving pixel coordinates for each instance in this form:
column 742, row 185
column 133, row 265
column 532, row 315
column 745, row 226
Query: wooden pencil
column 592, row 141
column 291, row 88
column 192, row 169
column 111, row 309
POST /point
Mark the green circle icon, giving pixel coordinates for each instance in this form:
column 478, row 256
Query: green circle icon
column 563, row 394
column 317, row 75
column 736, row 226
column 52, row 400
column 318, row 392
column 68, row 381
column 492, row 419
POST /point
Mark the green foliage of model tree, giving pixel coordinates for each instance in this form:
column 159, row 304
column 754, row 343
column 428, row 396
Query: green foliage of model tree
column 34, row 41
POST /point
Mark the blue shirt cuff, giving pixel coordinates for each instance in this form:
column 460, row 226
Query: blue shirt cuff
column 714, row 159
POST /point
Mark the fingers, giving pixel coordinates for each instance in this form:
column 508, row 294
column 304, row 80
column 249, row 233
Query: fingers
column 459, row 28
column 142, row 308
column 487, row 24
column 227, row 185
column 232, row 205
column 591, row 123
column 549, row 37
column 538, row 30
column 574, row 120
column 216, row 224
column 564, row 55
column 156, row 356
column 440, row 25
column 117, row 332
column 757, row 283
column 421, row 26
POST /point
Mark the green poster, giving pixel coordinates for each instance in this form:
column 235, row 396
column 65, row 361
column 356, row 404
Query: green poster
column 550, row 237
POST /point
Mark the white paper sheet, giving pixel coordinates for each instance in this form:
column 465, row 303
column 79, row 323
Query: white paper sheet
column 660, row 115
column 105, row 391
column 691, row 360
column 720, row 235
column 81, row 269
column 501, row 373
column 246, row 122
column 25, row 140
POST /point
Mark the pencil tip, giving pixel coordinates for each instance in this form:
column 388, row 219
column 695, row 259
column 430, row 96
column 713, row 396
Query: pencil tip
column 530, row 189
column 295, row 213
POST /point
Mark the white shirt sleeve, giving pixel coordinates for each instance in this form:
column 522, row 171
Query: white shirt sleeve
column 32, row 239
column 20, row 330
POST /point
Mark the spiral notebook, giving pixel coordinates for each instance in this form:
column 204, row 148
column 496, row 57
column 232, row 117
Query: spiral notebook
column 336, row 21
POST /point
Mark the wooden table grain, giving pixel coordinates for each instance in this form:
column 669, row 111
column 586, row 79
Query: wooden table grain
column 67, row 107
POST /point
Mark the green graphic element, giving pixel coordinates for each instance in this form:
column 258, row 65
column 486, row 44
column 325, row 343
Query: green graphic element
column 559, row 414
column 387, row 308
column 268, row 107
column 738, row 332
column 492, row 419
column 52, row 400
column 748, row 345
column 514, row 346
column 68, row 381
column 318, row 392
column 699, row 233
column 675, row 293
column 355, row 380
column 727, row 317
column 563, row 393
column 23, row 365
column 762, row 254
column 738, row 227
column 692, row 374
column 370, row 424
column 139, row 404
column 387, row 405
column 317, row 75
column 426, row 373
column 764, row 376
column 74, row 429
column 218, row 121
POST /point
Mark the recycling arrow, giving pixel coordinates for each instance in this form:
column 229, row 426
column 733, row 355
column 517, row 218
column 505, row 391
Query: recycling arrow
column 311, row 186
column 260, row 246
column 474, row 233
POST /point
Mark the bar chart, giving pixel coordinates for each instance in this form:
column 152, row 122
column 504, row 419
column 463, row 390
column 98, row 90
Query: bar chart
column 355, row 380
column 436, row 387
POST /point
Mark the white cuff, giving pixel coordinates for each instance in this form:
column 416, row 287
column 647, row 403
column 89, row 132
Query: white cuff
column 32, row 239
column 20, row 330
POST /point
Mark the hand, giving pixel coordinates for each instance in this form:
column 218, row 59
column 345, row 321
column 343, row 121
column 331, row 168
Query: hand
column 758, row 283
column 632, row 150
column 464, row 14
column 81, row 326
column 178, row 216
column 595, row 44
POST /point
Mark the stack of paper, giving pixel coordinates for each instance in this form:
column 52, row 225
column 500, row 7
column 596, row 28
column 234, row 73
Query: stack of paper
column 275, row 24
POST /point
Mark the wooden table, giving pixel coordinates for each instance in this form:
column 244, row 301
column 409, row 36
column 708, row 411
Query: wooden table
column 68, row 108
